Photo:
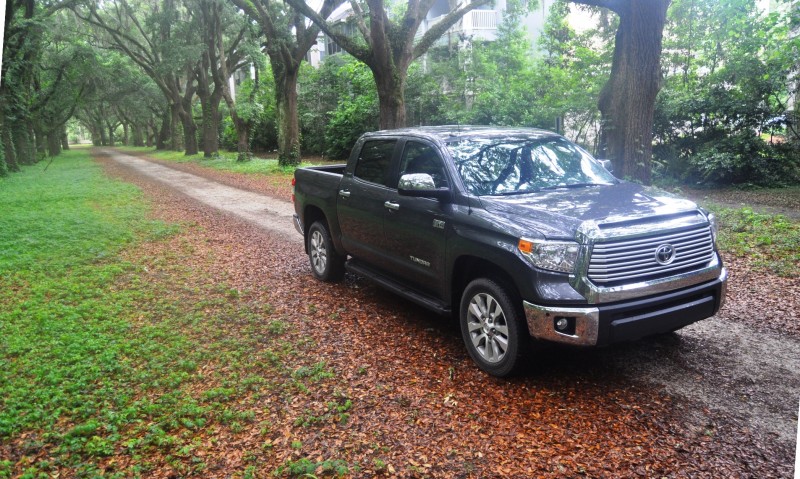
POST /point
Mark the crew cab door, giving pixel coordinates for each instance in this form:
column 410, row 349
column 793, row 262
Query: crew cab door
column 415, row 228
column 361, row 200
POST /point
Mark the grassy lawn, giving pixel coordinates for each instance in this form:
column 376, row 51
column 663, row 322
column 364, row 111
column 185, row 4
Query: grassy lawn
column 118, row 357
column 771, row 241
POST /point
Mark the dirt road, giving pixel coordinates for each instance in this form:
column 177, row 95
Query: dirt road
column 263, row 211
column 727, row 380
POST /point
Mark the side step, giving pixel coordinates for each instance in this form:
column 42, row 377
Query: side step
column 436, row 305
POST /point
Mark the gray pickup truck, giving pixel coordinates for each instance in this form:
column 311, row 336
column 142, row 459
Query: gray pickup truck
column 519, row 232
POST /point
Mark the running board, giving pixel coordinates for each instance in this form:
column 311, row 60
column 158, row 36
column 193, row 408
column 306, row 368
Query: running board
column 436, row 305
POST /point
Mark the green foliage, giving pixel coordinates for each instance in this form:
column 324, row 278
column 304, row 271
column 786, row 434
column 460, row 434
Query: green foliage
column 508, row 82
column 255, row 104
column 772, row 241
column 356, row 111
column 730, row 80
column 305, row 467
column 339, row 102
column 743, row 158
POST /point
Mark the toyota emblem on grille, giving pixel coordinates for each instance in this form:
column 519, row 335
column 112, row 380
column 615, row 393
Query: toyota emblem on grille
column 665, row 254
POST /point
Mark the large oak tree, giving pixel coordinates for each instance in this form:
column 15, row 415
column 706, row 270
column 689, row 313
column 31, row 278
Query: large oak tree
column 226, row 40
column 627, row 102
column 288, row 39
column 388, row 46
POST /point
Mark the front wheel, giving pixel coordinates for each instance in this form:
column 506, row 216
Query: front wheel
column 491, row 326
column 326, row 264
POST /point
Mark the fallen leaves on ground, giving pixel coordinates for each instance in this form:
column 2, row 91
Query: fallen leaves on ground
column 404, row 400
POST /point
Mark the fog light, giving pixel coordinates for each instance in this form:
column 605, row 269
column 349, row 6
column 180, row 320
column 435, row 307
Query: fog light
column 564, row 325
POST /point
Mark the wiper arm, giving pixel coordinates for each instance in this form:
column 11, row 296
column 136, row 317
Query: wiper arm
column 573, row 185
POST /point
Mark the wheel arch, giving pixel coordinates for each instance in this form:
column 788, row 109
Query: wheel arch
column 468, row 268
column 311, row 214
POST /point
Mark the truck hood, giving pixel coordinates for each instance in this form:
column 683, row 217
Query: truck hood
column 557, row 214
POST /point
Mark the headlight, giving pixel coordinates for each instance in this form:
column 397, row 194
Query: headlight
column 558, row 256
column 712, row 221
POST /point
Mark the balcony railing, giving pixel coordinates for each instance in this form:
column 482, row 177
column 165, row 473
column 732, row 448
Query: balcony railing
column 475, row 21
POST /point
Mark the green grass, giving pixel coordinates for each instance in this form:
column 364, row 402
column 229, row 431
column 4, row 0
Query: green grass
column 226, row 161
column 103, row 352
column 772, row 241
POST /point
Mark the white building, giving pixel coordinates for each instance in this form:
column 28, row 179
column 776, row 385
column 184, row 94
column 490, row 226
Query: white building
column 477, row 25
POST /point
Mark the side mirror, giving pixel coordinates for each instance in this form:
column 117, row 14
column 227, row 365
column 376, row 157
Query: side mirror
column 421, row 185
column 607, row 165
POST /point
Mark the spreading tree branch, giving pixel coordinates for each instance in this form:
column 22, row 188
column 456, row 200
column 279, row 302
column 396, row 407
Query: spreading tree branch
column 437, row 30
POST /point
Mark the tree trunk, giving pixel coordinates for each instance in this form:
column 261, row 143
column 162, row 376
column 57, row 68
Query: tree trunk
column 243, row 144
column 96, row 130
column 288, row 122
column 189, row 134
column 103, row 136
column 3, row 165
column 216, row 99
column 627, row 102
column 189, row 127
column 23, row 146
column 150, row 132
column 391, row 97
column 165, row 134
column 136, row 135
column 10, row 152
column 209, row 103
column 175, row 121
column 39, row 144
column 64, row 138
column 54, row 144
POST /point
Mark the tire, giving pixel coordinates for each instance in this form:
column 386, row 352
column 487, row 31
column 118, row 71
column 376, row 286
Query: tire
column 492, row 327
column 326, row 264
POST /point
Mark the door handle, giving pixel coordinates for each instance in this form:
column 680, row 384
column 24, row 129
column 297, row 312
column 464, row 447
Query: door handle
column 392, row 206
column 344, row 193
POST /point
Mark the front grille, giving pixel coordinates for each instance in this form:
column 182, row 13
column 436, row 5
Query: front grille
column 617, row 262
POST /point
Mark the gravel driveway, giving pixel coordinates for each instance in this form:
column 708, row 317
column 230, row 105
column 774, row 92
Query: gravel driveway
column 726, row 377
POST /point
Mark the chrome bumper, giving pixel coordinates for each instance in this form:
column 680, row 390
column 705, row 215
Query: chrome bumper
column 541, row 324
column 541, row 319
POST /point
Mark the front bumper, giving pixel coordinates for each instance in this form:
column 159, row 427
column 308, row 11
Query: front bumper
column 627, row 320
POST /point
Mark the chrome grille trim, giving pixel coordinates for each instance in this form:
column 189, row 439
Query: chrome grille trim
column 618, row 261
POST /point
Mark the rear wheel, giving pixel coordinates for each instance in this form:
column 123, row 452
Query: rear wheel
column 326, row 264
column 492, row 327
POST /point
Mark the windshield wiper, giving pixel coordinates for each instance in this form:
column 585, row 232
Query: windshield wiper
column 574, row 185
column 513, row 193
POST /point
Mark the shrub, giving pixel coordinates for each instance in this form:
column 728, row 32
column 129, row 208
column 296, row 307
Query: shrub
column 744, row 158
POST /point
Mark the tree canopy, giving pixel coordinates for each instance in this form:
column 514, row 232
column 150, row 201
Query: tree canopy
column 686, row 90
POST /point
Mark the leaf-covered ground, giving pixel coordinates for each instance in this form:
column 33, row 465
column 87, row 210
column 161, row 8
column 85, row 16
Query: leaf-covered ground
column 293, row 378
column 417, row 407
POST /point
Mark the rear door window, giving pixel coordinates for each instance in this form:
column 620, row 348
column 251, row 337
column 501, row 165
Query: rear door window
column 374, row 161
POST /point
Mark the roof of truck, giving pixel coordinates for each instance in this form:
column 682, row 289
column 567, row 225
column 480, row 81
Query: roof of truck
column 447, row 133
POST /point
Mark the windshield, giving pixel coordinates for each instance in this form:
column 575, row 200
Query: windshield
column 505, row 166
